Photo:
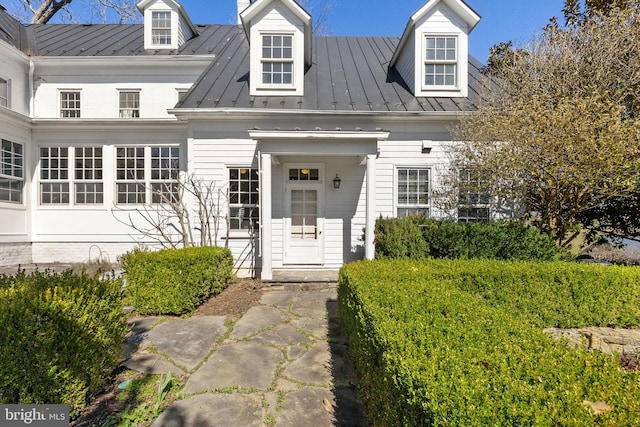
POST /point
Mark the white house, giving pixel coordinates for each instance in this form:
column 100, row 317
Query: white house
column 314, row 137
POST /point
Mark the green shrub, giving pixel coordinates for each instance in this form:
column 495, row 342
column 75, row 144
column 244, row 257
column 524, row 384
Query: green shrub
column 420, row 238
column 175, row 281
column 431, row 354
column 61, row 336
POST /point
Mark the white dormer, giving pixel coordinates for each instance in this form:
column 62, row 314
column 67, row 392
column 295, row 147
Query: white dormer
column 279, row 34
column 433, row 54
column 166, row 24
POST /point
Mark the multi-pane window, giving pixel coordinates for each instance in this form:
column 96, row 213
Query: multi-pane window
column 277, row 59
column 440, row 66
column 130, row 176
column 413, row 192
column 147, row 173
column 65, row 168
column 243, row 198
column 70, row 104
column 54, row 175
column 11, row 172
column 304, row 174
column 161, row 28
column 129, row 104
column 473, row 197
column 4, row 93
column 88, row 175
column 165, row 167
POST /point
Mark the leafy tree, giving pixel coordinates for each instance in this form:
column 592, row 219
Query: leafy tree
column 557, row 129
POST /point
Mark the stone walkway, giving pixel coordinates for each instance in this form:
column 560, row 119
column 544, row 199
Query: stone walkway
column 281, row 364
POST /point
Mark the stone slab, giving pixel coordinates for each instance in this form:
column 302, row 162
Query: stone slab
column 213, row 410
column 186, row 341
column 280, row 299
column 242, row 364
column 257, row 319
column 282, row 335
column 150, row 363
column 315, row 367
column 319, row 407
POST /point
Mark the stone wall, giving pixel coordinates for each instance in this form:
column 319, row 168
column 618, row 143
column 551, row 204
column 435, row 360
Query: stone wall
column 606, row 340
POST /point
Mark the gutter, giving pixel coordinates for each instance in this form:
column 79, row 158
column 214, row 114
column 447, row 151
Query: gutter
column 243, row 113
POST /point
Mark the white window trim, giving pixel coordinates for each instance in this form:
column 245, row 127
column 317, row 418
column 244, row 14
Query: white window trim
column 397, row 205
column 7, row 99
column 120, row 91
column 240, row 232
column 479, row 205
column 15, row 178
column 256, row 88
column 461, row 88
column 292, row 61
column 426, row 62
column 148, row 29
column 171, row 27
column 71, row 179
column 60, row 109
column 147, row 181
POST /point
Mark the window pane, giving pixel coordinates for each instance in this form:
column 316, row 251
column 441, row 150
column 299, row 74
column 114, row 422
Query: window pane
column 243, row 198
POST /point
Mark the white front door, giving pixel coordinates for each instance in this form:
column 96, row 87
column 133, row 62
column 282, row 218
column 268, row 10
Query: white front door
column 304, row 220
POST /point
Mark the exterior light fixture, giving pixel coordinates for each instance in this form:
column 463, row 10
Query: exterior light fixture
column 336, row 182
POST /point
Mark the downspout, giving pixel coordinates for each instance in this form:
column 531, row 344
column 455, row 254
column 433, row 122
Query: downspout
column 32, row 68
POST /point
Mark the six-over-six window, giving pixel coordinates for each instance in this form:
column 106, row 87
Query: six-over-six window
column 440, row 64
column 71, row 175
column 277, row 59
column 413, row 192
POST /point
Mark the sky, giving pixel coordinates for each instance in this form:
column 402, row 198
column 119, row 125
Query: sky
column 502, row 20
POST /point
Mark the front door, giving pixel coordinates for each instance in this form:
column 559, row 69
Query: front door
column 304, row 217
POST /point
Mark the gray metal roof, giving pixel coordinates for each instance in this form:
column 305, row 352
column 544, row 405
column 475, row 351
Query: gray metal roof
column 347, row 73
column 9, row 29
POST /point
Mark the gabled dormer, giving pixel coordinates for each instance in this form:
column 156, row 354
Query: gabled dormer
column 166, row 24
column 433, row 54
column 279, row 34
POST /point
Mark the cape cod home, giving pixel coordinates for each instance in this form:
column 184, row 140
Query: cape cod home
column 313, row 137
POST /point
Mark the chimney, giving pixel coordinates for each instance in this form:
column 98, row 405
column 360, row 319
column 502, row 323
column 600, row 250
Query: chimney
column 242, row 5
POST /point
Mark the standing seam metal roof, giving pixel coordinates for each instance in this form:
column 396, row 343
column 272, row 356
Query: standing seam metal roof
column 347, row 73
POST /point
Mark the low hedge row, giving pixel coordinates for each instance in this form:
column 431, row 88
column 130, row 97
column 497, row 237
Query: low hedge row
column 431, row 354
column 420, row 238
column 61, row 336
column 175, row 281
column 560, row 294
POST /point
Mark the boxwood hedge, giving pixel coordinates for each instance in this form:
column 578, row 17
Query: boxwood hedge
column 420, row 238
column 175, row 281
column 61, row 336
column 450, row 343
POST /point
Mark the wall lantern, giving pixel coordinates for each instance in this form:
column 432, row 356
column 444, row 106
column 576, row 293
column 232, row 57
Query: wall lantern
column 336, row 182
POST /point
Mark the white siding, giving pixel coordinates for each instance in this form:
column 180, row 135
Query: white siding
column 442, row 21
column 273, row 20
column 14, row 217
column 14, row 67
column 406, row 64
column 99, row 96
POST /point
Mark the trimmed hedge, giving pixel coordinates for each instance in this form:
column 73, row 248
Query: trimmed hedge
column 420, row 238
column 175, row 281
column 61, row 336
column 431, row 354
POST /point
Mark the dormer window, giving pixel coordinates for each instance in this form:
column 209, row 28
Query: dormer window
column 279, row 34
column 277, row 59
column 161, row 28
column 441, row 61
column 166, row 24
column 4, row 93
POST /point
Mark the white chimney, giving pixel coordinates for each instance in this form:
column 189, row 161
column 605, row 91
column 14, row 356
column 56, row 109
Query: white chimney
column 242, row 5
